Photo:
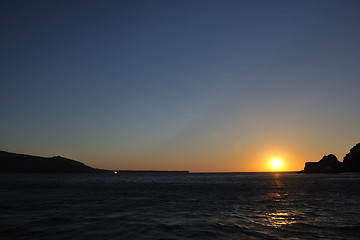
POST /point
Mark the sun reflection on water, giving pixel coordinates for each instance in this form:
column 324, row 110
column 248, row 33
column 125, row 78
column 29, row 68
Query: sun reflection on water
column 279, row 211
column 280, row 219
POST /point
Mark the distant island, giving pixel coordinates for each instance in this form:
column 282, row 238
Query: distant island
column 330, row 163
column 22, row 163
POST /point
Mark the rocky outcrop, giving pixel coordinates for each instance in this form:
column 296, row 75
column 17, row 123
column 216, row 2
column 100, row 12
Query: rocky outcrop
column 328, row 164
column 352, row 159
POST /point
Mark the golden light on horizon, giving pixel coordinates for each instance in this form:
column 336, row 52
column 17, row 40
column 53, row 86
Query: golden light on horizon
column 276, row 164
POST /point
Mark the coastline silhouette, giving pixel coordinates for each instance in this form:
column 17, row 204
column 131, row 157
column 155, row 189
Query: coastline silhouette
column 330, row 163
column 22, row 163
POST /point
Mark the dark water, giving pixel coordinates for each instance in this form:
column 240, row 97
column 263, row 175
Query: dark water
column 195, row 206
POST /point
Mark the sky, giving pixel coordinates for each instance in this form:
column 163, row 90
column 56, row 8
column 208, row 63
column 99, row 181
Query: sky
column 203, row 86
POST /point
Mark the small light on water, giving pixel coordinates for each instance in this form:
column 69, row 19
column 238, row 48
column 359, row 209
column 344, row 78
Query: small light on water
column 115, row 172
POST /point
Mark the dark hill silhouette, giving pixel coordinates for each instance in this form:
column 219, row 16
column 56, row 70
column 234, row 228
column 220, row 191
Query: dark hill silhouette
column 21, row 163
column 330, row 163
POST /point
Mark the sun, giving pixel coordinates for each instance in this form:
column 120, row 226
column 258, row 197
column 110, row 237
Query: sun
column 276, row 164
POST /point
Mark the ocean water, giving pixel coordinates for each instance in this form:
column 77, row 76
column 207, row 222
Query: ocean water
column 176, row 206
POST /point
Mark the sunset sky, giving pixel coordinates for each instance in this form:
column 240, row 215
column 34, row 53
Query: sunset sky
column 180, row 85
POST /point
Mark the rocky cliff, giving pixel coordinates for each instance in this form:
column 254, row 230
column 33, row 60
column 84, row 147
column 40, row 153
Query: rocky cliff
column 352, row 159
column 330, row 163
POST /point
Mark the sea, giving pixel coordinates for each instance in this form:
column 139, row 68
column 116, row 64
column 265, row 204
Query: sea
column 180, row 206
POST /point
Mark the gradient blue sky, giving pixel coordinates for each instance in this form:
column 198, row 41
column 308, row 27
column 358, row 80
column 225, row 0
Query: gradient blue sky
column 173, row 85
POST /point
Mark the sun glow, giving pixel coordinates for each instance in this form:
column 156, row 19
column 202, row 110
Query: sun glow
column 276, row 164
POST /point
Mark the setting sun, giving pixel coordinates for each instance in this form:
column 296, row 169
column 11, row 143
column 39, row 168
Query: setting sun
column 276, row 164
